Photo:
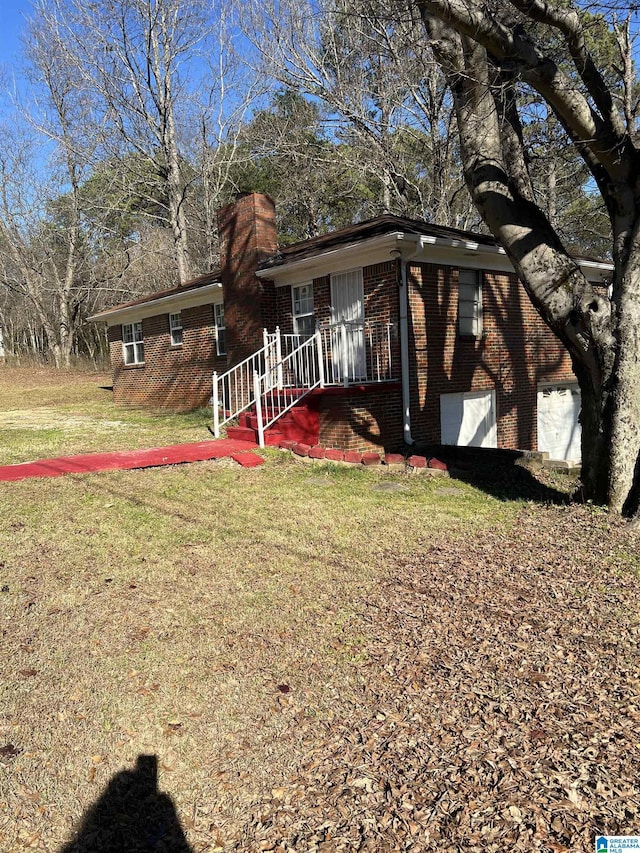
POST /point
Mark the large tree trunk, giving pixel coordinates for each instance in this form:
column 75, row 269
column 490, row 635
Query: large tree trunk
column 625, row 430
column 602, row 337
column 595, row 420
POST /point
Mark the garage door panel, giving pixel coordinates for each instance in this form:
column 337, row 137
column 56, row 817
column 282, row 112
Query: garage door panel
column 559, row 432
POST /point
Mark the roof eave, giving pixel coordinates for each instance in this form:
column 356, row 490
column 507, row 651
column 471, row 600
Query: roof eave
column 187, row 299
column 449, row 251
column 374, row 250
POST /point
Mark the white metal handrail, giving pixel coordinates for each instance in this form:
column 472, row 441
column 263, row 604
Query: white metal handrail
column 302, row 369
column 358, row 351
column 336, row 354
column 233, row 390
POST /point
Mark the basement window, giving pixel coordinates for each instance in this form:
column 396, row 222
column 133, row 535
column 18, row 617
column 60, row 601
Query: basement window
column 221, row 329
column 175, row 329
column 469, row 303
column 132, row 343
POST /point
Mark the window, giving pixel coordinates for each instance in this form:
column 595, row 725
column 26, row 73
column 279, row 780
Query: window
column 469, row 303
column 303, row 319
column 175, row 329
column 132, row 345
column 218, row 320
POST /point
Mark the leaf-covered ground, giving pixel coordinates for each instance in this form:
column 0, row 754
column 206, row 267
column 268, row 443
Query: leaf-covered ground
column 499, row 706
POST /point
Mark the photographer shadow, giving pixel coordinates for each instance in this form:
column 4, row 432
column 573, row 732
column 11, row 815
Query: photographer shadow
column 131, row 816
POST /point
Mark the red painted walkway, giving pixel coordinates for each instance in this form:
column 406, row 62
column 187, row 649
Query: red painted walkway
column 240, row 451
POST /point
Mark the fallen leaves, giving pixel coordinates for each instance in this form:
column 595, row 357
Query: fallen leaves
column 28, row 673
column 498, row 710
column 9, row 751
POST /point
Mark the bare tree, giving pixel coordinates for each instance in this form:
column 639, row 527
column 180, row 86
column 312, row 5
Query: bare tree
column 231, row 91
column 380, row 88
column 41, row 255
column 134, row 56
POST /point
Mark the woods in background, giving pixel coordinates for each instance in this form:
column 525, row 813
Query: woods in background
column 140, row 118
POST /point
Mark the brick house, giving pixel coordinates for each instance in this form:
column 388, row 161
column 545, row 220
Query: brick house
column 384, row 334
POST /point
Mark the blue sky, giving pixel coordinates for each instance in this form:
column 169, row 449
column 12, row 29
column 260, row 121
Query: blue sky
column 12, row 14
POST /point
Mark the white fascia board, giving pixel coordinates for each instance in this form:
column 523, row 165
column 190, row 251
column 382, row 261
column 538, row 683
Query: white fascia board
column 375, row 250
column 209, row 293
column 461, row 253
column 597, row 272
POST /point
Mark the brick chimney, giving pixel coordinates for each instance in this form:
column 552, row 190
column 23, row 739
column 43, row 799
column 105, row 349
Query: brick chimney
column 248, row 235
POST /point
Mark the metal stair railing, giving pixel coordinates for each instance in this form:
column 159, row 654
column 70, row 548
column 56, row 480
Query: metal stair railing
column 302, row 369
column 336, row 354
column 233, row 391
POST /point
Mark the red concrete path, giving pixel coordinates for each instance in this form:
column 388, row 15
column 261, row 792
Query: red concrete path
column 126, row 459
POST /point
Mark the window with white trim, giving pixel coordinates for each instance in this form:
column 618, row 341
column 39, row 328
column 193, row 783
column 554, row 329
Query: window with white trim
column 303, row 318
column 221, row 329
column 469, row 303
column 132, row 343
column 175, row 329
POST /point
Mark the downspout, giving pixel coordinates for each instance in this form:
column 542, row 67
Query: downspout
column 404, row 257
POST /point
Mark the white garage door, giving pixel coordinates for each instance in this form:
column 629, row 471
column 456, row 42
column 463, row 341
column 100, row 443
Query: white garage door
column 469, row 420
column 558, row 427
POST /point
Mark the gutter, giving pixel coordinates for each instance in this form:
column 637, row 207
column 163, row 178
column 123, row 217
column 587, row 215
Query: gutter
column 157, row 305
column 405, row 250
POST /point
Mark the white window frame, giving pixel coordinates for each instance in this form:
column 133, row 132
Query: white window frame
column 302, row 308
column 220, row 327
column 470, row 303
column 132, row 343
column 175, row 329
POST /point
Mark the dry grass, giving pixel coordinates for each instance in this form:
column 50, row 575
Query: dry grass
column 45, row 413
column 158, row 611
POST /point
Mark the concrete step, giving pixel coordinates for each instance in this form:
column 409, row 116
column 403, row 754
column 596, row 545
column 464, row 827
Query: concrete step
column 272, row 437
column 251, row 419
column 299, row 423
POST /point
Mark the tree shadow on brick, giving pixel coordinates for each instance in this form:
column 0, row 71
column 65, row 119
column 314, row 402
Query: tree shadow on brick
column 513, row 354
column 131, row 816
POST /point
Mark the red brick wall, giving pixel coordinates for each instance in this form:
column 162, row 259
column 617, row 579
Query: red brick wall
column 177, row 378
column 380, row 297
column 370, row 419
column 514, row 354
column 248, row 234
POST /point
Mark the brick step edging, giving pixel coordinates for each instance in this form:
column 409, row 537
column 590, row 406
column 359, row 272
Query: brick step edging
column 391, row 461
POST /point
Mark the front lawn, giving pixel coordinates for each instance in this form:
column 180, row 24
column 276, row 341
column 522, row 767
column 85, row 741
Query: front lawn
column 46, row 413
column 319, row 657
